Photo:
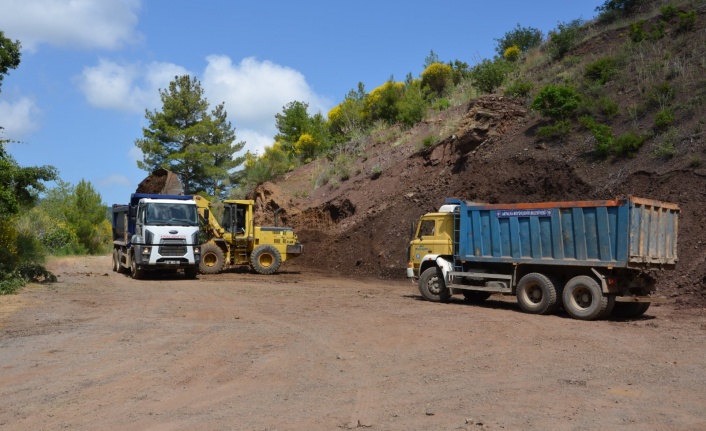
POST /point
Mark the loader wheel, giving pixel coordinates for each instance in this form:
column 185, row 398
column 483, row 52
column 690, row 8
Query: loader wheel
column 584, row 300
column 432, row 286
column 135, row 272
column 212, row 259
column 536, row 294
column 629, row 310
column 266, row 259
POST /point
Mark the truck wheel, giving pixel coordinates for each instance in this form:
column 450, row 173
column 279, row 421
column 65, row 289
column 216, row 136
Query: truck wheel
column 584, row 300
column 475, row 296
column 265, row 259
column 116, row 262
column 537, row 294
column 432, row 286
column 191, row 272
column 212, row 259
column 630, row 309
column 135, row 272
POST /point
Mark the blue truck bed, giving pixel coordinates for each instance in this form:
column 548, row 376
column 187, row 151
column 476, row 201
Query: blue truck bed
column 626, row 232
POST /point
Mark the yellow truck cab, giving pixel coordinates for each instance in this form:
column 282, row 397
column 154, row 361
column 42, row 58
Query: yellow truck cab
column 433, row 238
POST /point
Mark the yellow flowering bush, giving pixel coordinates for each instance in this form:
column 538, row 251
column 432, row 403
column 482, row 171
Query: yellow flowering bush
column 513, row 53
column 438, row 76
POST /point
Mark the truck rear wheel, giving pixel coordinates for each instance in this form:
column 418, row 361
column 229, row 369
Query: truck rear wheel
column 630, row 309
column 212, row 259
column 584, row 300
column 537, row 294
column 432, row 286
column 116, row 261
column 265, row 259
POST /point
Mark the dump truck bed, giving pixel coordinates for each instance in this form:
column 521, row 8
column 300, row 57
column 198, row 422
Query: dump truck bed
column 626, row 232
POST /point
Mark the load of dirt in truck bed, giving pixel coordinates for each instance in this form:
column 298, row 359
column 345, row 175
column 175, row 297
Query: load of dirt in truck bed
column 161, row 181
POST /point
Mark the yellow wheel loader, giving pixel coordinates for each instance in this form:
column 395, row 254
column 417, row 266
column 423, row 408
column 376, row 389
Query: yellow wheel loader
column 237, row 241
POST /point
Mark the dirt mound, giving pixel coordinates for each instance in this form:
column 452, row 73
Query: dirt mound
column 361, row 226
column 161, row 181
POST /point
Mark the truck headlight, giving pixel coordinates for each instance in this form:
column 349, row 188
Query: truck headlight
column 146, row 250
column 197, row 250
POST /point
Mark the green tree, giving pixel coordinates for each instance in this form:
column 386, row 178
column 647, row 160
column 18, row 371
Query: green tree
column 80, row 207
column 185, row 138
column 525, row 38
column 9, row 55
column 291, row 124
column 489, row 75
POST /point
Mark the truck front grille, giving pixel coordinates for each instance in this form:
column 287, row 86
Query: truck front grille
column 172, row 247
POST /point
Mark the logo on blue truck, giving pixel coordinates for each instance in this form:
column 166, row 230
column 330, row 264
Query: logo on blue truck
column 525, row 213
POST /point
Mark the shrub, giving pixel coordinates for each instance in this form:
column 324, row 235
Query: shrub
column 658, row 31
column 637, row 31
column 607, row 107
column 428, row 142
column 558, row 130
column 628, row 144
column 695, row 161
column 564, row 38
column 442, row 104
column 519, row 89
column 664, row 119
column 601, row 133
column 437, row 77
column 668, row 12
column 489, row 75
column 375, row 172
column 660, row 95
column 513, row 53
column 601, row 70
column 524, row 38
column 557, row 101
column 611, row 9
column 412, row 105
column 382, row 102
column 687, row 21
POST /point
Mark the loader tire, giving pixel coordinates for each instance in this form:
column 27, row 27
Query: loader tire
column 265, row 259
column 212, row 259
column 432, row 285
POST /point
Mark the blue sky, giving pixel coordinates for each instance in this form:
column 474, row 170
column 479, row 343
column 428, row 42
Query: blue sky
column 90, row 68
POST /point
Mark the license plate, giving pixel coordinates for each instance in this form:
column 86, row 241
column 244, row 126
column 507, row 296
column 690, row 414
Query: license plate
column 171, row 262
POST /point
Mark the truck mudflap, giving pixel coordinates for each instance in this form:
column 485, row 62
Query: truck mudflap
column 446, row 269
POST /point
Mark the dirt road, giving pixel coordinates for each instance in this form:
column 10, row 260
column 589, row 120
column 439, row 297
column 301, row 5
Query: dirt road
column 302, row 351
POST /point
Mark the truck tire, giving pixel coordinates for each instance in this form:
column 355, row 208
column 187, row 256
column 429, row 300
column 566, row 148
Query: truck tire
column 212, row 259
column 432, row 285
column 475, row 296
column 265, row 259
column 584, row 300
column 135, row 272
column 537, row 294
column 116, row 261
column 630, row 309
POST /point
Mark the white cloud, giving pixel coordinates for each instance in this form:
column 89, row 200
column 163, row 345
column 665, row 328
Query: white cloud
column 70, row 23
column 19, row 119
column 253, row 92
column 129, row 87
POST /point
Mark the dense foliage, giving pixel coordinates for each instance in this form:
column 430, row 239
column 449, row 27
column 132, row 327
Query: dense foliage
column 523, row 38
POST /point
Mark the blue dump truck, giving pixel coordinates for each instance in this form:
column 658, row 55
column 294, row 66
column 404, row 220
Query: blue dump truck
column 593, row 258
column 156, row 232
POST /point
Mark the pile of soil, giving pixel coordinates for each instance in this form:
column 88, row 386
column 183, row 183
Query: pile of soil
column 361, row 226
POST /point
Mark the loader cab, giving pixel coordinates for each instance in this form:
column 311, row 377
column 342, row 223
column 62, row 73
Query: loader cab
column 237, row 218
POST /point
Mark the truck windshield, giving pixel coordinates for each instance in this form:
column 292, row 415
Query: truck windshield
column 170, row 214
